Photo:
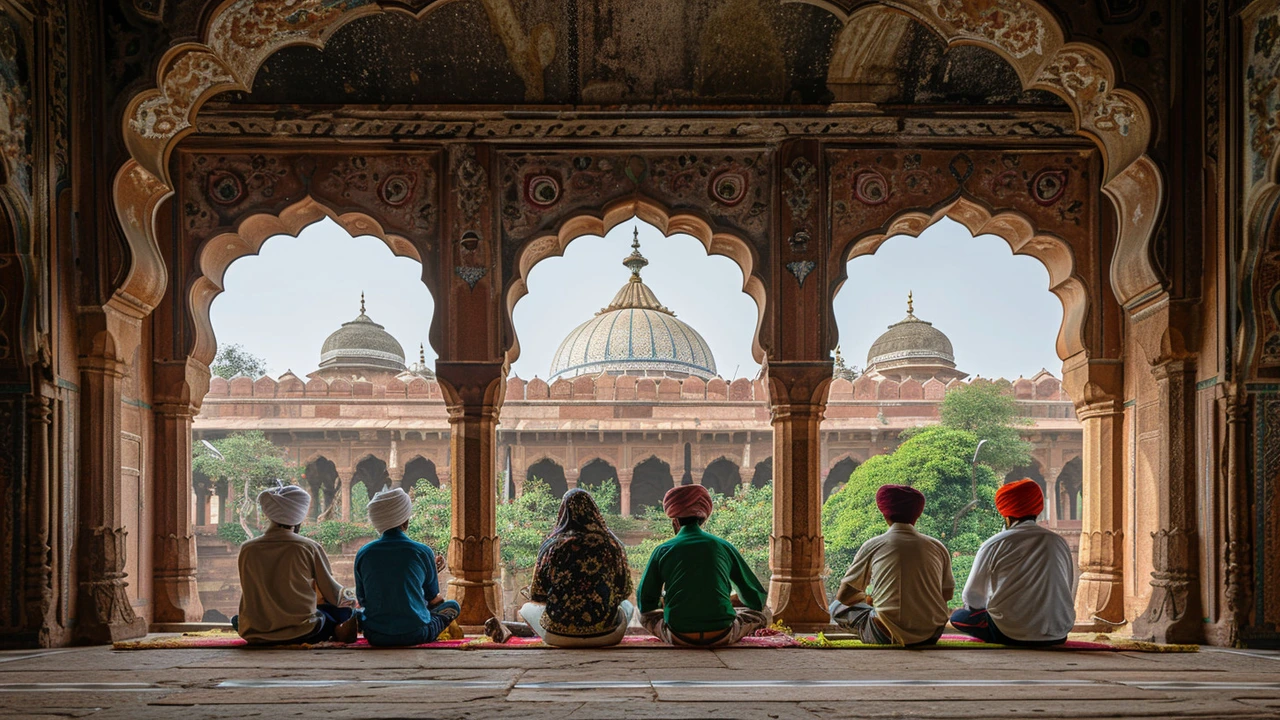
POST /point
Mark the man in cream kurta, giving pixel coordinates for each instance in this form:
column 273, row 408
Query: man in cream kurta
column 897, row 589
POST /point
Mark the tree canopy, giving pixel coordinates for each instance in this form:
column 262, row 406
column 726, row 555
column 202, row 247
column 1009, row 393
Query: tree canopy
column 250, row 462
column 990, row 412
column 935, row 461
column 233, row 361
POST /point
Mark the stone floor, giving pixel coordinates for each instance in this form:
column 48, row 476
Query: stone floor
column 637, row 683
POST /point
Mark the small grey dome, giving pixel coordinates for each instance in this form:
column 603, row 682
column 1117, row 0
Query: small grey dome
column 362, row 343
column 911, row 342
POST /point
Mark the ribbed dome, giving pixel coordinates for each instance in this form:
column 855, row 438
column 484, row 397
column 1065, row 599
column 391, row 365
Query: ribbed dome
column 635, row 334
column 361, row 343
column 911, row 342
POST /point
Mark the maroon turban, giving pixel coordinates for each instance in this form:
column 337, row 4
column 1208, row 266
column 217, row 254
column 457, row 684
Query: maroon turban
column 687, row 501
column 1020, row 499
column 900, row 503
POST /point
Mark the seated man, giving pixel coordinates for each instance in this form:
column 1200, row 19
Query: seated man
column 396, row 580
column 1019, row 591
column 280, row 574
column 698, row 572
column 908, row 573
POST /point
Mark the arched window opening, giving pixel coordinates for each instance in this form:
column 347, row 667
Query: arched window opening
column 651, row 480
column 419, row 469
column 723, row 477
column 320, row 478
column 551, row 473
column 764, row 473
column 1069, row 490
column 596, row 473
column 838, row 476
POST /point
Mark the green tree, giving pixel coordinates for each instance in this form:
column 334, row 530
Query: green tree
column 935, row 461
column 524, row 522
column 432, row 516
column 233, row 360
column 744, row 519
column 251, row 463
column 989, row 411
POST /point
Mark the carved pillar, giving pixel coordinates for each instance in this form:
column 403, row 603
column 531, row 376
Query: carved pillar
column 746, row 474
column 624, row 490
column 797, row 398
column 473, row 392
column 571, row 476
column 103, row 611
column 344, row 493
column 39, row 600
column 697, row 474
column 1051, row 497
column 1239, row 529
column 1096, row 388
column 176, row 597
column 1173, row 615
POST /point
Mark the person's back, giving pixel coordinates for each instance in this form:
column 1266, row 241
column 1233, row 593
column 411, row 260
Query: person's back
column 696, row 568
column 686, row 592
column 897, row 587
column 1027, row 571
column 395, row 579
column 278, row 600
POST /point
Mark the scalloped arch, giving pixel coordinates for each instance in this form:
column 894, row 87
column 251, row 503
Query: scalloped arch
column 554, row 242
column 1023, row 239
column 248, row 238
column 241, row 34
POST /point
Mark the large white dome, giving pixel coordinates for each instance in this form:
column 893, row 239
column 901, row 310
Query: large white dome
column 635, row 334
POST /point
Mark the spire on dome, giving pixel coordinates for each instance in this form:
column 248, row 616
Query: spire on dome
column 635, row 261
column 361, row 302
column 910, row 304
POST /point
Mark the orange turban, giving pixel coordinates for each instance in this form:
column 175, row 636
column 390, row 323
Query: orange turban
column 900, row 503
column 687, row 501
column 1020, row 499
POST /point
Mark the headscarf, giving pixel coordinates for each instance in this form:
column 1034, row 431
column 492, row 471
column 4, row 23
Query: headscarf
column 1020, row 499
column 687, row 501
column 285, row 504
column 900, row 503
column 390, row 508
column 581, row 572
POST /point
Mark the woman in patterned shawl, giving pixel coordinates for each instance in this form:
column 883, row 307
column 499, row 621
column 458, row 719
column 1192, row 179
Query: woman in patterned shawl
column 580, row 583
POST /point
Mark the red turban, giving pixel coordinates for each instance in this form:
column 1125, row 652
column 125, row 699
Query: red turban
column 687, row 501
column 900, row 503
column 1020, row 499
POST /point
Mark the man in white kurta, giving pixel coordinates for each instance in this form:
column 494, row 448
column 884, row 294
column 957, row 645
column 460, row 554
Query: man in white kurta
column 1019, row 590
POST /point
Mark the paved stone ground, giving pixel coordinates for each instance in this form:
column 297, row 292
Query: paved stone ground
column 636, row 683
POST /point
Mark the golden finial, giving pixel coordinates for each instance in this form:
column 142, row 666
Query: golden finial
column 910, row 303
column 422, row 354
column 362, row 302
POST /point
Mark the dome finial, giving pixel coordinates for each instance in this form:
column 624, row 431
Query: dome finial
column 910, row 304
column 422, row 354
column 361, row 302
column 635, row 260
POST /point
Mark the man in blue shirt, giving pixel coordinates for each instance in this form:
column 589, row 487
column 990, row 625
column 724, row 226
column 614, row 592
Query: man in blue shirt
column 396, row 580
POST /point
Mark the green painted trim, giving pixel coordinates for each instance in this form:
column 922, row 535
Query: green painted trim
column 1206, row 384
column 136, row 403
column 1130, row 403
column 1263, row 387
column 68, row 385
column 14, row 388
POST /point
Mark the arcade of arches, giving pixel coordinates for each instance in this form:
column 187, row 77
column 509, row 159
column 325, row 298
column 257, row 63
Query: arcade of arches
column 1133, row 148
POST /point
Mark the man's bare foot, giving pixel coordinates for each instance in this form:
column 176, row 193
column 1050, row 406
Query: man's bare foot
column 346, row 632
column 497, row 630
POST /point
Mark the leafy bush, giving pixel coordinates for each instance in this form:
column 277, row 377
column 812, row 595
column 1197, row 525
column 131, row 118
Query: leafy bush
column 432, row 515
column 360, row 501
column 524, row 522
column 333, row 534
column 232, row 533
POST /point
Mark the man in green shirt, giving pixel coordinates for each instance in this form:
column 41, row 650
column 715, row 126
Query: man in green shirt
column 698, row 572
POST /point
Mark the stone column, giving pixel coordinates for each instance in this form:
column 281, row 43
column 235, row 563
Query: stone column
column 1173, row 615
column 1100, row 594
column 473, row 393
column 344, row 493
column 175, row 594
column 103, row 611
column 40, row 574
column 1051, row 497
column 797, row 398
column 696, row 474
column 747, row 473
column 624, row 490
column 571, row 476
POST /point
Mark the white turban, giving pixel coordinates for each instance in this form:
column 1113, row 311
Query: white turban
column 285, row 505
column 390, row 508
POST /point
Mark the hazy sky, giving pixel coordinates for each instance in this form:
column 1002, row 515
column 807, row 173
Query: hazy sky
column 995, row 307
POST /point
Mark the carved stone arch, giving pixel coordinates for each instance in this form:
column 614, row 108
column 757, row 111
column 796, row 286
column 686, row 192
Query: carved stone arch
column 314, row 456
column 1029, row 37
column 381, row 456
column 1260, row 280
column 599, row 456
column 17, row 333
column 552, row 243
column 220, row 251
column 841, row 457
column 1014, row 228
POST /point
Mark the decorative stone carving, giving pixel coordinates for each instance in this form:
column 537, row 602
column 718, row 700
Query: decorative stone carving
column 15, row 111
column 1262, row 92
column 470, row 274
column 801, row 269
column 1011, row 25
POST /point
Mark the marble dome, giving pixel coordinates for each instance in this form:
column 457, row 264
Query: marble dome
column 361, row 344
column 635, row 335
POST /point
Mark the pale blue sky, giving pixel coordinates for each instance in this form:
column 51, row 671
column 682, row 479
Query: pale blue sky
column 995, row 307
